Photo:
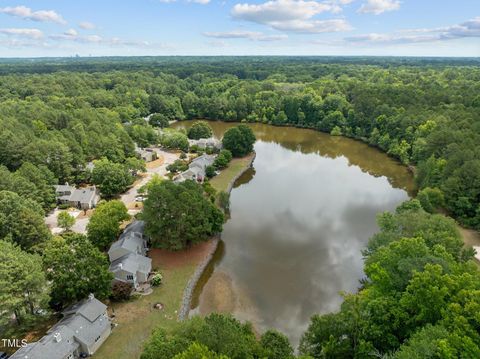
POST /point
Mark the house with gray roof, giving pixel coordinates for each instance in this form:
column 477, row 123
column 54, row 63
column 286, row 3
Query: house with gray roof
column 82, row 198
column 127, row 255
column 146, row 154
column 132, row 268
column 204, row 143
column 63, row 192
column 83, row 329
column 196, row 169
column 132, row 240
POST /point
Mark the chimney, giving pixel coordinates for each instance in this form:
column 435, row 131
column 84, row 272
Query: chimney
column 91, row 296
column 58, row 337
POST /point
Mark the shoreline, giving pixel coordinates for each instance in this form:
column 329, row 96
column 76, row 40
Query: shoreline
column 193, row 281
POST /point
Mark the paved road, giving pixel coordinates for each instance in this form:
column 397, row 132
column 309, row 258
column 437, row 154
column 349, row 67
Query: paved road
column 129, row 197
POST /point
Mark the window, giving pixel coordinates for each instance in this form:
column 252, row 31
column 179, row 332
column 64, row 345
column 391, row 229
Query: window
column 129, row 277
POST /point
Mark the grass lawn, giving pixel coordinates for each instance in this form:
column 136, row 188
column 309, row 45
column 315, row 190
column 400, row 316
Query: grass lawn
column 137, row 318
column 221, row 181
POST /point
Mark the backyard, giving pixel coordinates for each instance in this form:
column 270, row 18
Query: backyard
column 137, row 318
column 236, row 166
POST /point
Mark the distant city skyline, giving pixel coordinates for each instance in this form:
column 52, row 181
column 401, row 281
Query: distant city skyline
column 240, row 27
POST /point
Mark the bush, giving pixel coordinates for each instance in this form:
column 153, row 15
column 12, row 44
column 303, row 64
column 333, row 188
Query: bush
column 210, row 171
column 156, row 280
column 121, row 291
column 223, row 159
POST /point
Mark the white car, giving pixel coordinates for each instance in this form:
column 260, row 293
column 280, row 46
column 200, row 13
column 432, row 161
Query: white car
column 139, row 199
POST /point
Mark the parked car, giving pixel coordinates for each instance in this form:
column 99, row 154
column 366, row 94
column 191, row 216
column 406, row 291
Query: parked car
column 139, row 199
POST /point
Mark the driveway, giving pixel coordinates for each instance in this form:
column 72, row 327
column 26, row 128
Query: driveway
column 80, row 225
column 129, row 197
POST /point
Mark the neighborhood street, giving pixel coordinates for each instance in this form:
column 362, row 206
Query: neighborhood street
column 128, row 197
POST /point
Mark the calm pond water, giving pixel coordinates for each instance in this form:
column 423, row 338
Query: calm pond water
column 298, row 221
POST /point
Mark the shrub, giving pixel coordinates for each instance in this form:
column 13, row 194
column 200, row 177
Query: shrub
column 210, row 171
column 121, row 291
column 156, row 280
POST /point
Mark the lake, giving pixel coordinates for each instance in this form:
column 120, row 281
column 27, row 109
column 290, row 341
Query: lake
column 298, row 222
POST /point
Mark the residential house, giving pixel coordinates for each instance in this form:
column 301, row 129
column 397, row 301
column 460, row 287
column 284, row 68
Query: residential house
column 196, row 169
column 83, row 329
column 146, row 154
column 63, row 192
column 132, row 268
column 82, row 198
column 204, row 143
column 127, row 255
column 131, row 242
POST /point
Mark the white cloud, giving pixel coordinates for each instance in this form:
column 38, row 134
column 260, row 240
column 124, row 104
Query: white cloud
column 28, row 33
column 71, row 32
column 470, row 28
column 251, row 35
column 85, row 25
column 379, row 6
column 292, row 15
column 27, row 13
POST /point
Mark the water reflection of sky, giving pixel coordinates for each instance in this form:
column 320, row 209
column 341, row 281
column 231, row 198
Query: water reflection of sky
column 296, row 231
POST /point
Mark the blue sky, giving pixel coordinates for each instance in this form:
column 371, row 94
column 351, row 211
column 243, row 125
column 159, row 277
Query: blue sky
column 240, row 27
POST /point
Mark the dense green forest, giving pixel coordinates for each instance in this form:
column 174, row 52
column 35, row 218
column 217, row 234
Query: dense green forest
column 424, row 113
column 56, row 115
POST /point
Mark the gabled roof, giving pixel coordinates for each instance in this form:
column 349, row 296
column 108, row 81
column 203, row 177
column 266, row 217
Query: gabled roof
column 135, row 226
column 85, row 330
column 132, row 263
column 83, row 195
column 129, row 241
column 83, row 321
column 49, row 346
column 202, row 161
column 64, row 188
column 90, row 308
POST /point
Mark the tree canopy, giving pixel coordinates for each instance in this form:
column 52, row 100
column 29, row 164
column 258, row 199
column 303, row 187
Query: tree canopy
column 112, row 178
column 239, row 140
column 177, row 215
column 104, row 225
column 199, row 129
column 416, row 298
column 23, row 286
column 22, row 221
column 76, row 268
